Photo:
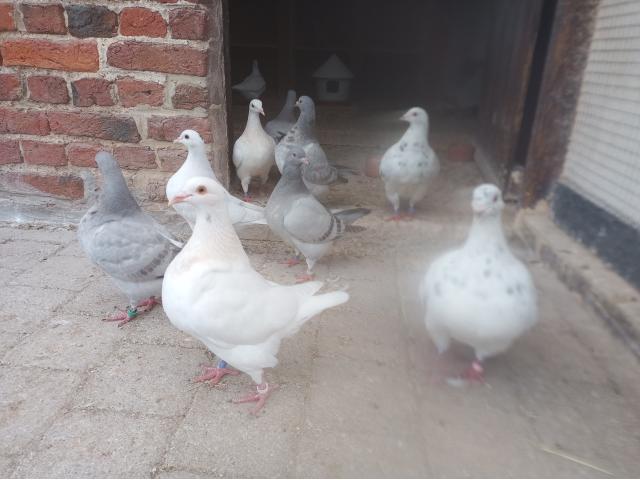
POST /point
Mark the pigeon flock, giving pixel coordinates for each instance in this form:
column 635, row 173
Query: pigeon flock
column 480, row 294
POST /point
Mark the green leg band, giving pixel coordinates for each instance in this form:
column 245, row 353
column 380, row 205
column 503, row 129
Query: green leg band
column 132, row 313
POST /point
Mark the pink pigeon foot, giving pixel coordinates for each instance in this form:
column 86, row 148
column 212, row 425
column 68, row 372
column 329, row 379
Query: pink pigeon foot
column 292, row 262
column 263, row 392
column 305, row 277
column 475, row 372
column 395, row 217
column 247, row 198
column 131, row 313
column 214, row 374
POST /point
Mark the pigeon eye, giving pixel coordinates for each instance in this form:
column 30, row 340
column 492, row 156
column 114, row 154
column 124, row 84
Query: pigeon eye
column 415, row 114
column 201, row 190
column 187, row 137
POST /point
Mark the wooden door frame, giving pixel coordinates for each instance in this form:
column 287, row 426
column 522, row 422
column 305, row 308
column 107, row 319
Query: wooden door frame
column 555, row 111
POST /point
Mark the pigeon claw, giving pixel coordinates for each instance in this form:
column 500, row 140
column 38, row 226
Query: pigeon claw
column 474, row 373
column 292, row 262
column 305, row 277
column 125, row 317
column 247, row 198
column 395, row 218
column 214, row 374
column 260, row 397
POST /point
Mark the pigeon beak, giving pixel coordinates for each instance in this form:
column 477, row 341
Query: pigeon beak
column 179, row 198
column 262, row 112
column 404, row 118
column 304, row 160
column 177, row 140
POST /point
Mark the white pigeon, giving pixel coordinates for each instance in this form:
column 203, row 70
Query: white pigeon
column 197, row 165
column 408, row 165
column 253, row 85
column 253, row 152
column 319, row 173
column 126, row 243
column 299, row 219
column 279, row 126
column 212, row 292
column 480, row 294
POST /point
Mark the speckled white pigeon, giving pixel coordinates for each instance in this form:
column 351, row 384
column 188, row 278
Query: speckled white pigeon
column 212, row 292
column 253, row 85
column 279, row 126
column 197, row 165
column 126, row 243
column 480, row 294
column 253, row 152
column 409, row 164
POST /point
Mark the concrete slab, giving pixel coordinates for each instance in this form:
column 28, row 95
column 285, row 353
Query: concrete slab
column 99, row 444
column 146, row 379
column 25, row 308
column 31, row 399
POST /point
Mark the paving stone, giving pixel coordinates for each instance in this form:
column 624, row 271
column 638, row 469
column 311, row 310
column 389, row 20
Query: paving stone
column 25, row 254
column 8, row 340
column 66, row 342
column 6, row 466
column 331, row 454
column 56, row 235
column 148, row 379
column 223, row 438
column 31, row 398
column 99, row 444
column 73, row 249
column 24, row 309
column 154, row 328
column 59, row 272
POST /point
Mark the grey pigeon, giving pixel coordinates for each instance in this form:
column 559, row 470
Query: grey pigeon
column 126, row 243
column 253, row 85
column 319, row 174
column 279, row 126
column 299, row 219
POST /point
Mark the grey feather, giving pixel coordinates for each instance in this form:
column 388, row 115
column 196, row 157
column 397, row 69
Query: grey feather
column 298, row 218
column 126, row 243
column 279, row 126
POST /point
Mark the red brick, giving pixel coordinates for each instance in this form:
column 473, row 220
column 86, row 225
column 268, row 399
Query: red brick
column 92, row 21
column 169, row 128
column 44, row 19
column 135, row 157
column 133, row 92
column 66, row 186
column 47, row 88
column 40, row 153
column 188, row 23
column 7, row 22
column 142, row 21
column 156, row 57
column 190, row 96
column 171, row 159
column 23, row 121
column 105, row 127
column 74, row 55
column 167, row 1
column 10, row 152
column 92, row 91
column 84, row 154
column 10, row 88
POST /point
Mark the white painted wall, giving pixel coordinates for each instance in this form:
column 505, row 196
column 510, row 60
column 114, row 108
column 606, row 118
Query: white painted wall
column 603, row 159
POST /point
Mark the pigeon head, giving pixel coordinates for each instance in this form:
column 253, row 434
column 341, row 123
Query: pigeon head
column 256, row 106
column 295, row 157
column 189, row 138
column 115, row 195
column 307, row 110
column 416, row 115
column 200, row 192
column 487, row 200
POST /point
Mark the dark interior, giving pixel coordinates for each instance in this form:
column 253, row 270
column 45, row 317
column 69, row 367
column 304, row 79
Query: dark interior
column 476, row 61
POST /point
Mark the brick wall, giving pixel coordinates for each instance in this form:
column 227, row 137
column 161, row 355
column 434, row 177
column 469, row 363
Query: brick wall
column 123, row 76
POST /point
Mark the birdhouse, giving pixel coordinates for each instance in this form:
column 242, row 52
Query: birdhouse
column 333, row 81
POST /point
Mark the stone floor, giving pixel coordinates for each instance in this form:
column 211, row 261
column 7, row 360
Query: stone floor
column 362, row 386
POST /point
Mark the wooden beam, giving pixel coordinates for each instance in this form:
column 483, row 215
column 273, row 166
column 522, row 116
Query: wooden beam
column 566, row 60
